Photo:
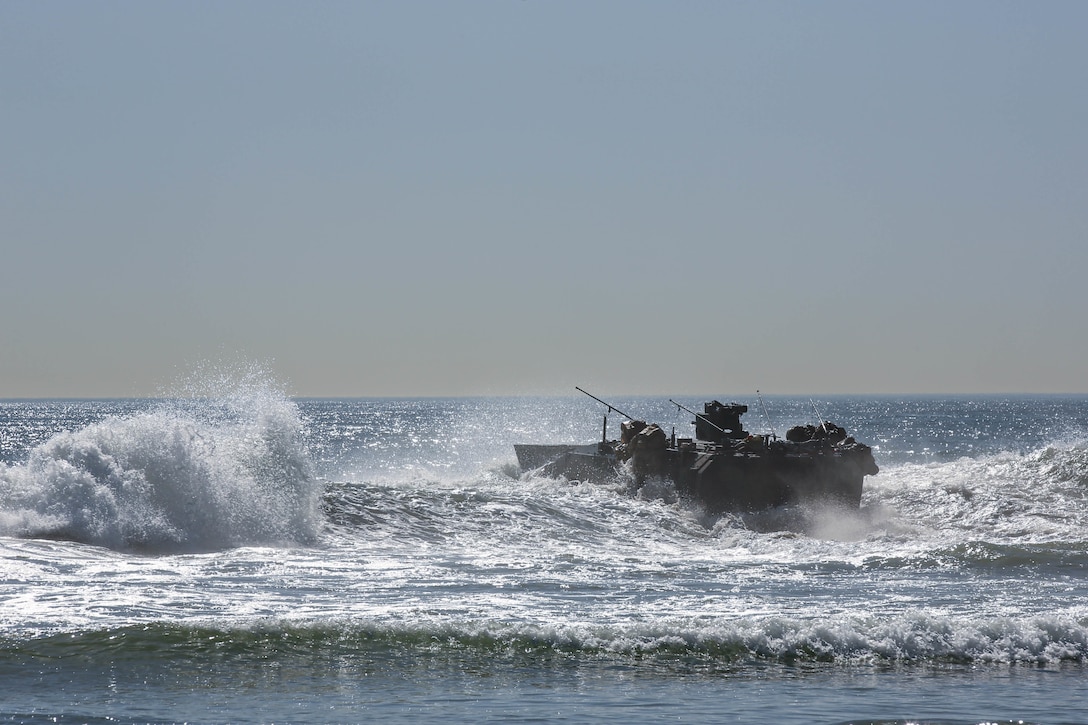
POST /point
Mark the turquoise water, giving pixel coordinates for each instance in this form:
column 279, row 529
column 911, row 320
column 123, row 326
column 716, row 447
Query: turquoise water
column 248, row 557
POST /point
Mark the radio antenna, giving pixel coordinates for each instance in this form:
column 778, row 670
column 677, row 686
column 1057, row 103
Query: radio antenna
column 766, row 416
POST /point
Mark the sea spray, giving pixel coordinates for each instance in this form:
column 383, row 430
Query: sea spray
column 185, row 474
column 1034, row 496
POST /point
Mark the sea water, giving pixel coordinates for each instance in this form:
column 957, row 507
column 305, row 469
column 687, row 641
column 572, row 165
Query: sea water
column 247, row 557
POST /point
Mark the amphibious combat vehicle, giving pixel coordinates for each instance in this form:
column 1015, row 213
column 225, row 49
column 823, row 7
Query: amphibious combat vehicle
column 724, row 467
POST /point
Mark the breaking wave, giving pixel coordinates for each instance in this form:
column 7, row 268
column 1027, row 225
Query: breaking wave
column 1039, row 496
column 909, row 638
column 184, row 475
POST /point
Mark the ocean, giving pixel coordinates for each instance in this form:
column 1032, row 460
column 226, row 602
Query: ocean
column 244, row 556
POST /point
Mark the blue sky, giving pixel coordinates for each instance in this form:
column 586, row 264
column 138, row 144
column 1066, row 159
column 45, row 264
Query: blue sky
column 439, row 198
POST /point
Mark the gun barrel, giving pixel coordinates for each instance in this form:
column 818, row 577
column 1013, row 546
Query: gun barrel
column 608, row 405
column 706, row 420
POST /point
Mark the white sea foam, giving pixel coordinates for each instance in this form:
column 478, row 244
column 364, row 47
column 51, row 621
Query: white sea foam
column 1039, row 496
column 909, row 637
column 190, row 474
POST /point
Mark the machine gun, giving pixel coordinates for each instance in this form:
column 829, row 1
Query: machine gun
column 718, row 422
column 604, row 429
column 706, row 420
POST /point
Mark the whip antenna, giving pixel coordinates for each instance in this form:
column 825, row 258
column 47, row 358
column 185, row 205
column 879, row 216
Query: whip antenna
column 820, row 418
column 766, row 416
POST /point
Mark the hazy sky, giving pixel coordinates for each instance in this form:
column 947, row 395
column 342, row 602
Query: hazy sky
column 447, row 198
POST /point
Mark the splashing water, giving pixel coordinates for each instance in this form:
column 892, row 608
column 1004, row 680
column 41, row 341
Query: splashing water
column 184, row 475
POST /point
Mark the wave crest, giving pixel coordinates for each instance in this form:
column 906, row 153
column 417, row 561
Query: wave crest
column 187, row 475
column 1038, row 496
column 912, row 637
